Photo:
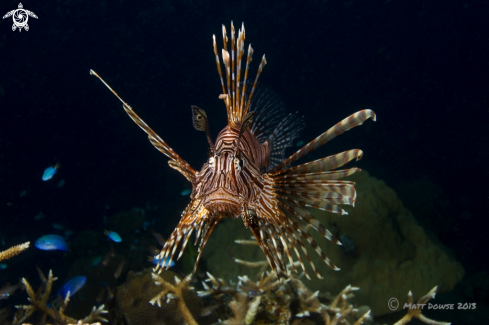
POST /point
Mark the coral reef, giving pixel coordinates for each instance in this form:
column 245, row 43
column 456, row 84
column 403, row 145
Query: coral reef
column 167, row 290
column 391, row 253
column 39, row 302
column 271, row 301
column 416, row 312
column 14, row 250
column 175, row 292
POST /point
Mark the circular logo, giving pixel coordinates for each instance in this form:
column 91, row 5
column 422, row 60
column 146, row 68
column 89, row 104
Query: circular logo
column 20, row 18
column 393, row 304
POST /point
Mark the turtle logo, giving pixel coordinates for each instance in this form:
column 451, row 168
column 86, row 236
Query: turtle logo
column 20, row 17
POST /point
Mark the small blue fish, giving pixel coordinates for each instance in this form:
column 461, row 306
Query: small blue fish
column 186, row 192
column 52, row 242
column 113, row 236
column 49, row 172
column 154, row 260
column 39, row 216
column 3, row 266
column 68, row 233
column 300, row 143
column 73, row 285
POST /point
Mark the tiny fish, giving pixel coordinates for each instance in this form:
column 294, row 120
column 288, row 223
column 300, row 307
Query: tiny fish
column 119, row 269
column 105, row 262
column 39, row 216
column 73, row 285
column 23, row 193
column 100, row 296
column 52, row 242
column 3, row 266
column 155, row 260
column 7, row 290
column 58, row 226
column 110, row 295
column 159, row 238
column 49, row 172
column 185, row 192
column 113, row 236
column 300, row 143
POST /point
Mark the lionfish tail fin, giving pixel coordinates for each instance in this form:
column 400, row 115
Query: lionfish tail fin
column 234, row 93
column 346, row 124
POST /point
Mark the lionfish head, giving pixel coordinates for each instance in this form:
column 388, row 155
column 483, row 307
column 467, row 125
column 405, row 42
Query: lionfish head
column 230, row 179
column 221, row 191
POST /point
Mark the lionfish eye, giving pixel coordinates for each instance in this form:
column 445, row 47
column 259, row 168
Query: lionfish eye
column 212, row 162
column 238, row 164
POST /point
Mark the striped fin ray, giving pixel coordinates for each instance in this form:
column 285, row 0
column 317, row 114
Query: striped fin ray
column 154, row 138
column 191, row 217
column 318, row 196
column 209, row 222
column 293, row 235
column 304, row 216
column 297, row 218
column 344, row 188
column 306, row 202
column 265, row 234
column 318, row 176
column 269, row 231
column 323, row 164
column 294, row 232
column 245, row 79
column 236, row 98
column 277, row 224
column 346, row 124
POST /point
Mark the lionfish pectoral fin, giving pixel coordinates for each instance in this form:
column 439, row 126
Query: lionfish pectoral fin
column 209, row 223
column 154, row 138
column 183, row 169
column 344, row 125
column 195, row 217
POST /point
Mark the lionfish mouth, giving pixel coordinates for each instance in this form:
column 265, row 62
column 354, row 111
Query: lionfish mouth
column 222, row 202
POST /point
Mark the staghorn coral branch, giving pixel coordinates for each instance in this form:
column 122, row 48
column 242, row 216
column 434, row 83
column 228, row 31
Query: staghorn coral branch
column 174, row 292
column 12, row 251
column 95, row 314
column 416, row 313
column 39, row 301
column 218, row 288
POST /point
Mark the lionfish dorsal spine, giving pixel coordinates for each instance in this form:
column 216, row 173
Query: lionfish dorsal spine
column 234, row 91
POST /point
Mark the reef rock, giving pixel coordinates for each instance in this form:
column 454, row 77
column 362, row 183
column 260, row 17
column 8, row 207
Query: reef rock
column 386, row 253
column 132, row 301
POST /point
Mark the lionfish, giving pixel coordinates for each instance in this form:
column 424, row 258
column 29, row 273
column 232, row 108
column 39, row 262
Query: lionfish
column 246, row 174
